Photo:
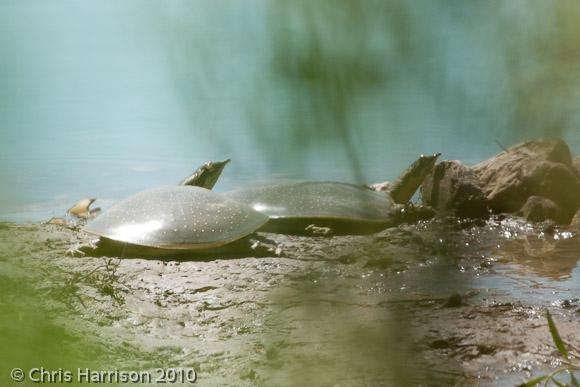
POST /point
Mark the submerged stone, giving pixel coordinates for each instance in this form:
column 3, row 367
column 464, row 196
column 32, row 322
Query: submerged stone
column 539, row 209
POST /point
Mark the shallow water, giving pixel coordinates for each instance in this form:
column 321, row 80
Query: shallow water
column 504, row 260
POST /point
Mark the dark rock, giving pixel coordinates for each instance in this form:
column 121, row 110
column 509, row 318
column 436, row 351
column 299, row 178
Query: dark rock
column 538, row 209
column 413, row 213
column 557, row 182
column 348, row 259
column 570, row 303
column 541, row 167
column 549, row 228
column 440, row 344
column 454, row 301
column 454, row 188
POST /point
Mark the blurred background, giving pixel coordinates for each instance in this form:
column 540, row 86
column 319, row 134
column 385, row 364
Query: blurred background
column 102, row 99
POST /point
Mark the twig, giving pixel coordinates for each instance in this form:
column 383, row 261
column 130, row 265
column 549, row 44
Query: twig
column 500, row 145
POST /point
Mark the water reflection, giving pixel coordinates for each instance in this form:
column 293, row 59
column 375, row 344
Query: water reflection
column 547, row 255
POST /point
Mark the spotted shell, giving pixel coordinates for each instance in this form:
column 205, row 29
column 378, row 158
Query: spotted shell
column 177, row 217
column 316, row 201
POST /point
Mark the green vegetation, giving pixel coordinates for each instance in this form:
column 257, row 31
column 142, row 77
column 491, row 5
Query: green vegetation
column 31, row 336
column 567, row 365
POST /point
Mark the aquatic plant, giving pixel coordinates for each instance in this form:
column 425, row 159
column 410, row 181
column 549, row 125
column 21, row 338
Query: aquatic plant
column 567, row 365
column 104, row 278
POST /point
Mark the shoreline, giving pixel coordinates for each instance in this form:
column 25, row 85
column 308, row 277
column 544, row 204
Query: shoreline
column 341, row 297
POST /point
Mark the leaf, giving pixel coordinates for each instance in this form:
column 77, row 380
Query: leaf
column 557, row 383
column 573, row 380
column 556, row 336
column 533, row 382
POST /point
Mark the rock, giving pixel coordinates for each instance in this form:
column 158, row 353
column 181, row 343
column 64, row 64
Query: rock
column 541, row 167
column 538, row 209
column 454, row 301
column 416, row 212
column 412, row 213
column 548, row 149
column 557, row 182
column 576, row 165
column 454, row 188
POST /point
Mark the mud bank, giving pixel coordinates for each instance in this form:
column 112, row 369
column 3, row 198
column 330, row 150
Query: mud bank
column 437, row 303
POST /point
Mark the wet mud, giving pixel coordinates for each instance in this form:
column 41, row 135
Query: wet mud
column 441, row 302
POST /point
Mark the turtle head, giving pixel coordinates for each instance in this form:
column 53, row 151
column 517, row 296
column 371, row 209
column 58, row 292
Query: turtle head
column 403, row 189
column 82, row 209
column 207, row 175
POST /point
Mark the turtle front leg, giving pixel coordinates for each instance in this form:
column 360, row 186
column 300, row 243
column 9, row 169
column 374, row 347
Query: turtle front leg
column 314, row 230
column 264, row 247
column 83, row 249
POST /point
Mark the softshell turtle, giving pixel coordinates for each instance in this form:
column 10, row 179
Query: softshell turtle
column 337, row 207
column 205, row 176
column 174, row 219
column 405, row 186
column 342, row 207
column 82, row 209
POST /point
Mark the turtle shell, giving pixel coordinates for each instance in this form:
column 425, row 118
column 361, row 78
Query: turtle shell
column 177, row 217
column 322, row 201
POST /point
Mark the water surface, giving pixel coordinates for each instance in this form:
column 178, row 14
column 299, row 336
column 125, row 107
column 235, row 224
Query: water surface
column 105, row 99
